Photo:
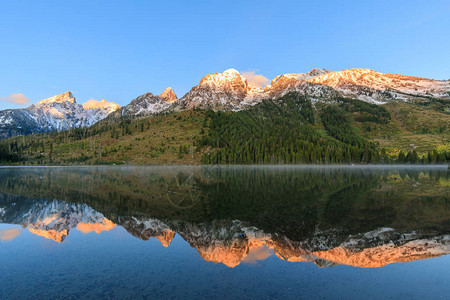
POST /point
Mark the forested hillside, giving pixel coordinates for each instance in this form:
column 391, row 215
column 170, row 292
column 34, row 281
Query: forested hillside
column 289, row 130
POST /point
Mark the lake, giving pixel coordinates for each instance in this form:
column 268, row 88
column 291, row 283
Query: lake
column 225, row 232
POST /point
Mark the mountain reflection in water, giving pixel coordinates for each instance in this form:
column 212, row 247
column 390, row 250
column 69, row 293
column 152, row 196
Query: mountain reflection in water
column 364, row 217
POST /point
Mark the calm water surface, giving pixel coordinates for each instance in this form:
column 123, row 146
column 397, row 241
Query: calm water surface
column 225, row 232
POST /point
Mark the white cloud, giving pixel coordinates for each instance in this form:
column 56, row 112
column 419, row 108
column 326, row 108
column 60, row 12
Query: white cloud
column 258, row 253
column 16, row 99
column 9, row 234
column 92, row 103
column 257, row 80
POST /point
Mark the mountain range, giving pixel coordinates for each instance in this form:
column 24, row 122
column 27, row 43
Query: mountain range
column 227, row 91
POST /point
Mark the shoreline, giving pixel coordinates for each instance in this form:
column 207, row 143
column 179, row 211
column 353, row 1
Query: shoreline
column 349, row 166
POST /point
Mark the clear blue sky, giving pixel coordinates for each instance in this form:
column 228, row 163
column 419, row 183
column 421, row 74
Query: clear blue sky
column 118, row 50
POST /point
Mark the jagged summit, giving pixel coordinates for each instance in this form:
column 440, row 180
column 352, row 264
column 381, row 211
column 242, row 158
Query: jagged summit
column 221, row 91
column 169, row 95
column 228, row 76
column 64, row 97
column 148, row 104
column 144, row 229
column 317, row 72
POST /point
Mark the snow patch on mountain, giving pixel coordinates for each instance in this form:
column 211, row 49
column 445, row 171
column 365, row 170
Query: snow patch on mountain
column 148, row 104
column 222, row 91
column 64, row 97
column 54, row 219
column 60, row 112
column 373, row 86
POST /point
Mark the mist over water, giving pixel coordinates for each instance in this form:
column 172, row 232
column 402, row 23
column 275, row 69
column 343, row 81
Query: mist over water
column 233, row 231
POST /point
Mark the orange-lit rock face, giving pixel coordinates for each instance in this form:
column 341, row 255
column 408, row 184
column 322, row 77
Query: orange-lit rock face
column 105, row 225
column 385, row 254
column 67, row 96
column 166, row 237
column 370, row 257
column 221, row 91
column 60, row 235
column 254, row 247
column 231, row 90
column 379, row 81
column 168, row 95
column 40, row 228
column 57, row 236
column 55, row 228
column 231, row 256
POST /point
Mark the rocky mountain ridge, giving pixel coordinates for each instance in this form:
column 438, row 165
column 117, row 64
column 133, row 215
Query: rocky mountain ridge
column 231, row 91
column 60, row 112
column 148, row 104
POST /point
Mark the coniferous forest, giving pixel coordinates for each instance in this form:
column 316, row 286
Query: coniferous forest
column 290, row 130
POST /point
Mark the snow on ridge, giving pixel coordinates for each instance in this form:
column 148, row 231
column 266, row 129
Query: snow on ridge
column 346, row 80
column 67, row 96
column 228, row 90
column 60, row 112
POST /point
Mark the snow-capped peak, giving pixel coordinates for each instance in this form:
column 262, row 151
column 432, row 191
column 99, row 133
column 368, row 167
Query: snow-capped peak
column 230, row 76
column 221, row 91
column 64, row 97
column 231, row 71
